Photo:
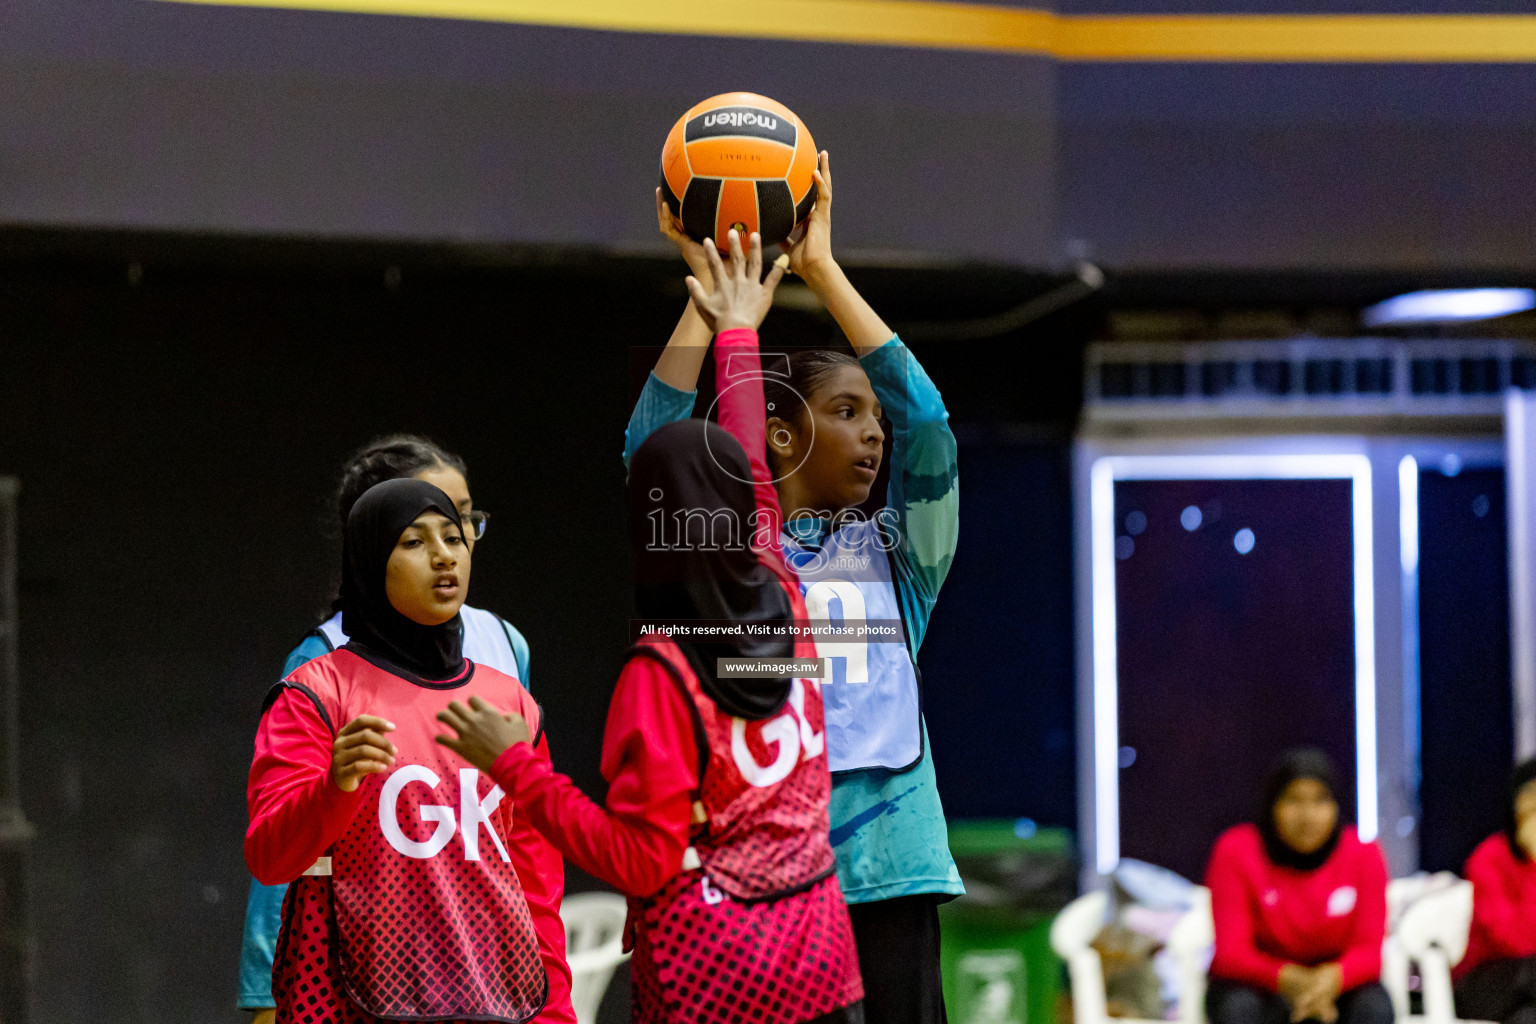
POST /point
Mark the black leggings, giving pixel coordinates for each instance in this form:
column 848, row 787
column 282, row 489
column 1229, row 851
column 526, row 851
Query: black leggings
column 898, row 942
column 1228, row 1002
column 1501, row 990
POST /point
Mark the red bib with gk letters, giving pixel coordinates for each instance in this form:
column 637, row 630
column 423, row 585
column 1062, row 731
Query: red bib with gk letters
column 764, row 789
column 429, row 919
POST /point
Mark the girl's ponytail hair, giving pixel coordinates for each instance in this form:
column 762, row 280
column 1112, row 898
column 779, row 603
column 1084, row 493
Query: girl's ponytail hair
column 388, row 458
column 809, row 369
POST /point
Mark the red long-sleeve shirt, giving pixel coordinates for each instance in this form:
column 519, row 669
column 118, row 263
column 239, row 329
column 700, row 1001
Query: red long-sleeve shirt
column 297, row 813
column 1503, row 904
column 651, row 762
column 1267, row 916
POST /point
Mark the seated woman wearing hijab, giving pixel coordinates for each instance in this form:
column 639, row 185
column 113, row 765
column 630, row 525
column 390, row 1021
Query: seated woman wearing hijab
column 1300, row 908
column 715, row 822
column 1496, row 980
column 407, row 900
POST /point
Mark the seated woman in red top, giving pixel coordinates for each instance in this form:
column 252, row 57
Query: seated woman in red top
column 715, row 822
column 1300, row 908
column 1496, row 980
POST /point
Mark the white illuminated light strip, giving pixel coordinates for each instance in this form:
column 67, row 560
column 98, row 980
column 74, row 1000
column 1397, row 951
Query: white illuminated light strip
column 1408, row 534
column 1408, row 512
column 1106, row 709
column 1105, row 471
column 1523, row 667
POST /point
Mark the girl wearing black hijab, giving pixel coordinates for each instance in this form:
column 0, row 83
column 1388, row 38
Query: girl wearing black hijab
column 1496, row 980
column 1299, row 905
column 715, row 823
column 488, row 640
column 407, row 900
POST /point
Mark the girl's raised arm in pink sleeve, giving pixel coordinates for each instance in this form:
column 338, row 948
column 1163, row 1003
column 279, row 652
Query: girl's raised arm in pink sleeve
column 739, row 378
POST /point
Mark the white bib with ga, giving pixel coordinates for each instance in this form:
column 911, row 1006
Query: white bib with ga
column 871, row 690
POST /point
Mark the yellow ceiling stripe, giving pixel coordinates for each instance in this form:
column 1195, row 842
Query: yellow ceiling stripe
column 935, row 24
column 915, row 23
column 1300, row 38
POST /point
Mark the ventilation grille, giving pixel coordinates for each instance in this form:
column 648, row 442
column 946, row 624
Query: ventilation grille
column 1305, row 377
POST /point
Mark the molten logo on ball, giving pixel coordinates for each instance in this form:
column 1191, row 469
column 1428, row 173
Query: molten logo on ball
column 738, row 118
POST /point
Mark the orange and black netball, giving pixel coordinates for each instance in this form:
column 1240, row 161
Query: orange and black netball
column 739, row 160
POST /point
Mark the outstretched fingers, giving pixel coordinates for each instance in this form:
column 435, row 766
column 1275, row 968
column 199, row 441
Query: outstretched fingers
column 737, row 259
column 712, row 255
column 755, row 257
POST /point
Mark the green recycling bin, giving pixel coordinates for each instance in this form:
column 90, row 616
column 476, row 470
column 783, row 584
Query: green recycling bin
column 996, row 939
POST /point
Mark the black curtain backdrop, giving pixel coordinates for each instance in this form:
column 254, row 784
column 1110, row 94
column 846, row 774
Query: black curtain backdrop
column 1228, row 658
column 1466, row 723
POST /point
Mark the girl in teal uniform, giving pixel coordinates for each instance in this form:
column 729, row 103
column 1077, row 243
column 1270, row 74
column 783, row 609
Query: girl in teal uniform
column 824, row 444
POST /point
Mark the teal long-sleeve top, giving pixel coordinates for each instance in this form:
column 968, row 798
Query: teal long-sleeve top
column 888, row 829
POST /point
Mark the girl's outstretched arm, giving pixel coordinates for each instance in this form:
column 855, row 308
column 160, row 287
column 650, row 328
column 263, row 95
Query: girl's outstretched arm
column 670, row 389
column 679, row 364
column 924, row 493
column 651, row 761
column 811, row 260
column 541, row 873
column 735, row 306
column 739, row 376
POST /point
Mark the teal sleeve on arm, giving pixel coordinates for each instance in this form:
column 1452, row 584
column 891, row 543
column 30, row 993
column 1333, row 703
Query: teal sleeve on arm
column 264, row 905
column 519, row 651
column 925, row 480
column 310, row 648
column 263, row 920
column 659, row 404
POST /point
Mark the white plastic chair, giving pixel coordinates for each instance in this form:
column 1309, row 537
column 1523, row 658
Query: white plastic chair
column 1079, row 923
column 1433, row 933
column 1396, row 965
column 1191, row 943
column 594, row 941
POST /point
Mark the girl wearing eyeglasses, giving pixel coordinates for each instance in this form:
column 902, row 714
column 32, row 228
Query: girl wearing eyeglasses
column 488, row 639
